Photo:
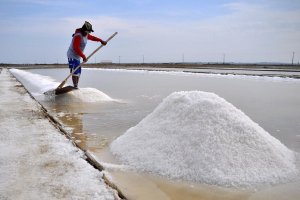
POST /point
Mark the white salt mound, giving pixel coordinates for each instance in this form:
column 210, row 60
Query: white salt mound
column 200, row 137
column 46, row 84
column 40, row 82
column 89, row 95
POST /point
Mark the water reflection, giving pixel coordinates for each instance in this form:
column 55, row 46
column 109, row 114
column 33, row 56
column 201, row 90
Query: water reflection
column 75, row 121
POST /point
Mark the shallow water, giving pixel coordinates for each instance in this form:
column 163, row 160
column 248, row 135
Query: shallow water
column 273, row 103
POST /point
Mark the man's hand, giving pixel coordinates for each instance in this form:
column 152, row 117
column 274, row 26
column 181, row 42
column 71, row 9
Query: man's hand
column 103, row 43
column 85, row 59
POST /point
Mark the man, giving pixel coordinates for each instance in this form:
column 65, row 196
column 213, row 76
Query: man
column 76, row 49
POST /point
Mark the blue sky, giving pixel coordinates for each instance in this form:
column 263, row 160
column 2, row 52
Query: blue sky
column 39, row 31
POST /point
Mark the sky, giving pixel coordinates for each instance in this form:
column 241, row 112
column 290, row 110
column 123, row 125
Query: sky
column 40, row 31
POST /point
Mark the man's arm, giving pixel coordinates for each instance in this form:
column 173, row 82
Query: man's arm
column 76, row 47
column 96, row 39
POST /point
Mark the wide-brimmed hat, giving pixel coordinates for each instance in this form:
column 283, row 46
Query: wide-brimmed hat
column 87, row 26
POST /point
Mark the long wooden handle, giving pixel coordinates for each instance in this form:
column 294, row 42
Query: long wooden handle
column 111, row 37
column 73, row 71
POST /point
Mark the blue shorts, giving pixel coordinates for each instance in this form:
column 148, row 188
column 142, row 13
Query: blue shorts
column 73, row 63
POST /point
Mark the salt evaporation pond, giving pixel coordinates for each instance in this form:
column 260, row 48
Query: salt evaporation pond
column 271, row 102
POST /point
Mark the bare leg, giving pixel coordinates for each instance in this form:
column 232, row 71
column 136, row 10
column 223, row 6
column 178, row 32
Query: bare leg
column 75, row 80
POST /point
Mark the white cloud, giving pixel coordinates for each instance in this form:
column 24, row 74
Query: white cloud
column 41, row 2
column 250, row 33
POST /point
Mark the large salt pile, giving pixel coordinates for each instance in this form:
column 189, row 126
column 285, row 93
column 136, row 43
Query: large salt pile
column 200, row 137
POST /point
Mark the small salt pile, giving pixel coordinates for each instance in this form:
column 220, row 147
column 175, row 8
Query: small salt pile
column 45, row 86
column 200, row 137
column 90, row 95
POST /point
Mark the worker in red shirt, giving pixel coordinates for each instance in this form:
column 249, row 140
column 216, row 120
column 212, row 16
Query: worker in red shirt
column 76, row 49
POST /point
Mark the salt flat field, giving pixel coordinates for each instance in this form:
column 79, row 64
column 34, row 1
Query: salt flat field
column 225, row 137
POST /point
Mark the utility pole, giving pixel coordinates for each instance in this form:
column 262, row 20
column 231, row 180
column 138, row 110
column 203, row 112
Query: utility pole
column 293, row 58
